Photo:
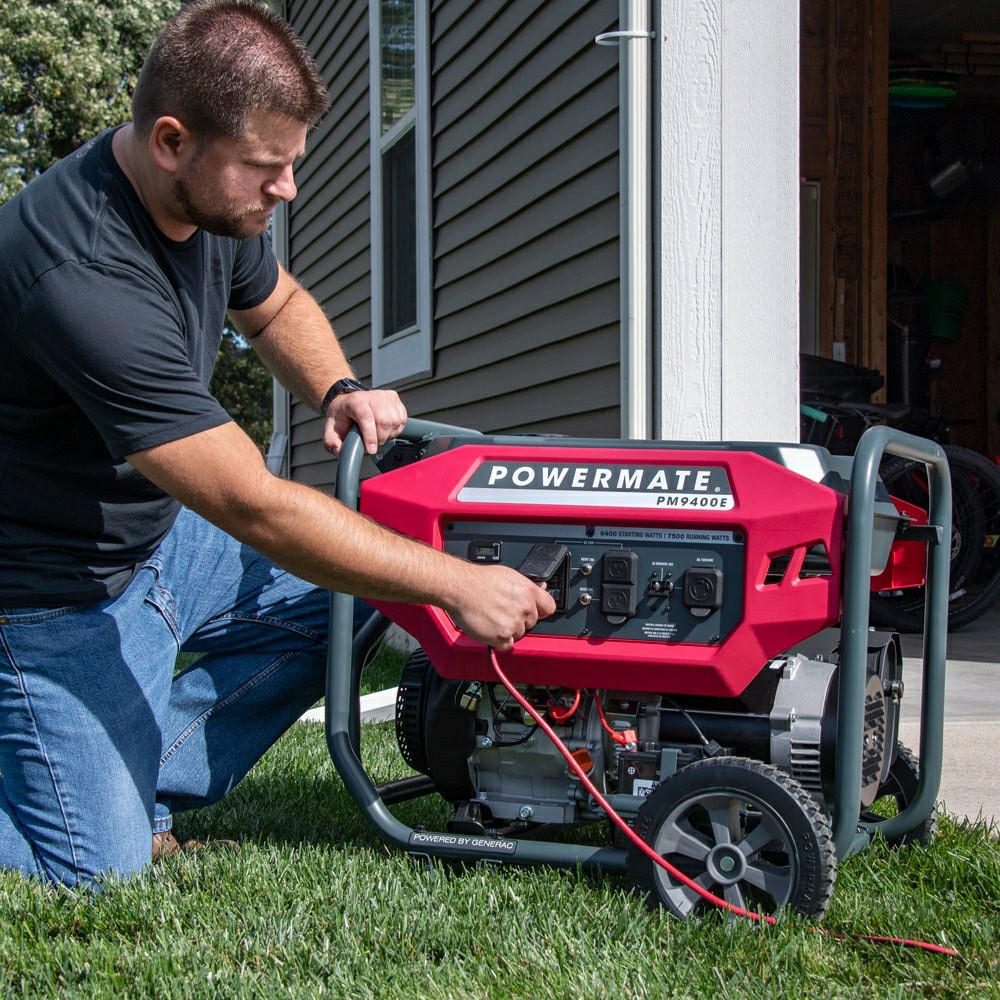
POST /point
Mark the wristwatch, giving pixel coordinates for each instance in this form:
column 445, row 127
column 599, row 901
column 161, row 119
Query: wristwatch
column 341, row 385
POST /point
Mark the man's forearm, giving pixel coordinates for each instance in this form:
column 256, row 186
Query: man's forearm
column 320, row 540
column 302, row 529
column 296, row 341
column 219, row 474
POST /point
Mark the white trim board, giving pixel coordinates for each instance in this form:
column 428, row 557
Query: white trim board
column 380, row 706
column 726, row 227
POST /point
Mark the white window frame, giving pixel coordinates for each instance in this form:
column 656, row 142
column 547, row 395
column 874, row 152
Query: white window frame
column 406, row 355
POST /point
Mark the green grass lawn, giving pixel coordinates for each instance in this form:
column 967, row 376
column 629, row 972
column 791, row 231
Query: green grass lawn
column 314, row 905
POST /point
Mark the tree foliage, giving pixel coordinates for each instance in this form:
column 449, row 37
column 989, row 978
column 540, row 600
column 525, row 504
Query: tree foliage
column 67, row 68
column 242, row 385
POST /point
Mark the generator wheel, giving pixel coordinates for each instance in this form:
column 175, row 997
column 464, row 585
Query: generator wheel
column 901, row 785
column 742, row 830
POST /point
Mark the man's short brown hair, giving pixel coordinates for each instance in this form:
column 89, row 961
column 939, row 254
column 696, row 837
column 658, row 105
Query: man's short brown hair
column 216, row 62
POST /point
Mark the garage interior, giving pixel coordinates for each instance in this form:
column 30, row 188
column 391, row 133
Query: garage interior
column 900, row 166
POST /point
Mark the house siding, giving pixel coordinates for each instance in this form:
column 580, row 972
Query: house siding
column 329, row 241
column 525, row 215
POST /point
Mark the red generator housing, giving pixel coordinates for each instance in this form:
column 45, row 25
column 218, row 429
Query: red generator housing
column 679, row 570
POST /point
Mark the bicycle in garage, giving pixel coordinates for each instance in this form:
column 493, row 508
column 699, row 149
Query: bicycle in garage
column 974, row 582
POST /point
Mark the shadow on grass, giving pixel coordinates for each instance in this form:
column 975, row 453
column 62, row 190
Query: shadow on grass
column 294, row 796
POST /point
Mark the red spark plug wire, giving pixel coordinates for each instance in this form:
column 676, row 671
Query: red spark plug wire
column 618, row 737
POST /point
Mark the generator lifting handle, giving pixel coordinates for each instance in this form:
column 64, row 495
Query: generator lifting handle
column 352, row 453
column 876, row 441
column 347, row 491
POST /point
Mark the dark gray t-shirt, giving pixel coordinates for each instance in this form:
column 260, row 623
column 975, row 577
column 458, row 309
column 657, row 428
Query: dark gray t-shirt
column 108, row 335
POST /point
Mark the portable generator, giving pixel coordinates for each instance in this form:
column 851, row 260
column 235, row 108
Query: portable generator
column 709, row 678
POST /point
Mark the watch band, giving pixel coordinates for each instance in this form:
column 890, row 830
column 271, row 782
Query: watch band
column 341, row 385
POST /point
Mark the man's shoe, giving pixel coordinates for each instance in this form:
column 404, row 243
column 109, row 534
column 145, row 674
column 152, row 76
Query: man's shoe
column 166, row 845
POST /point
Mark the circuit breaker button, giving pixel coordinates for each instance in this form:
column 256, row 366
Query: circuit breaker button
column 658, row 587
column 702, row 588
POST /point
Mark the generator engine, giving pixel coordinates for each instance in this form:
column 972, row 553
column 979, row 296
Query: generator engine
column 486, row 757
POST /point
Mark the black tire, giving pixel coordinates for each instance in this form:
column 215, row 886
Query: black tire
column 901, row 786
column 974, row 581
column 743, row 830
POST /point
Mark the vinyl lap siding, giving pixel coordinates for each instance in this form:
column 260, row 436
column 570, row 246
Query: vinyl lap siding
column 525, row 215
column 329, row 233
column 525, row 167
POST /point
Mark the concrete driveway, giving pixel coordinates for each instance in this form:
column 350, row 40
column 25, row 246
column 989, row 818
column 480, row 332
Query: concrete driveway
column 970, row 778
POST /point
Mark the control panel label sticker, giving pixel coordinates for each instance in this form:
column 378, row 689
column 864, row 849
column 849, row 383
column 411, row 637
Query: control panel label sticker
column 659, row 631
column 584, row 485
column 666, row 535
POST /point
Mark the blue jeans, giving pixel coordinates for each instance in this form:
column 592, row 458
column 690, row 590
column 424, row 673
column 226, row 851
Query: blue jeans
column 100, row 742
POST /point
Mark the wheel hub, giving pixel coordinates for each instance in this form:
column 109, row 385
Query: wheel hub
column 726, row 864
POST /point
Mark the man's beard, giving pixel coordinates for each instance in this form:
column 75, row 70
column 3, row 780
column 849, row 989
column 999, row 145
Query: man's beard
column 239, row 225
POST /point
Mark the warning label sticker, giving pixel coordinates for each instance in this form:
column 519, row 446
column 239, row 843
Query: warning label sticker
column 662, row 631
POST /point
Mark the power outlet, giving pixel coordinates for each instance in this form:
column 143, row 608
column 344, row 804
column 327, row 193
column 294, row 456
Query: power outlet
column 548, row 563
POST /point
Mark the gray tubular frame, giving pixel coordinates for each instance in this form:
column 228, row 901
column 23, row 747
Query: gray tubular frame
column 850, row 836
column 346, row 656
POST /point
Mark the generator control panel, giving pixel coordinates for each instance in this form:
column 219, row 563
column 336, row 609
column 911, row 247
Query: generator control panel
column 668, row 584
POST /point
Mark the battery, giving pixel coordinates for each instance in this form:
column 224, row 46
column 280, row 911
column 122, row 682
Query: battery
column 638, row 772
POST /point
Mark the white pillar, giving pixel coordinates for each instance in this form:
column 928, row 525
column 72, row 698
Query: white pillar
column 726, row 297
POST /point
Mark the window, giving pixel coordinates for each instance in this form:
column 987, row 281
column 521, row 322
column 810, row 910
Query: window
column 400, row 191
